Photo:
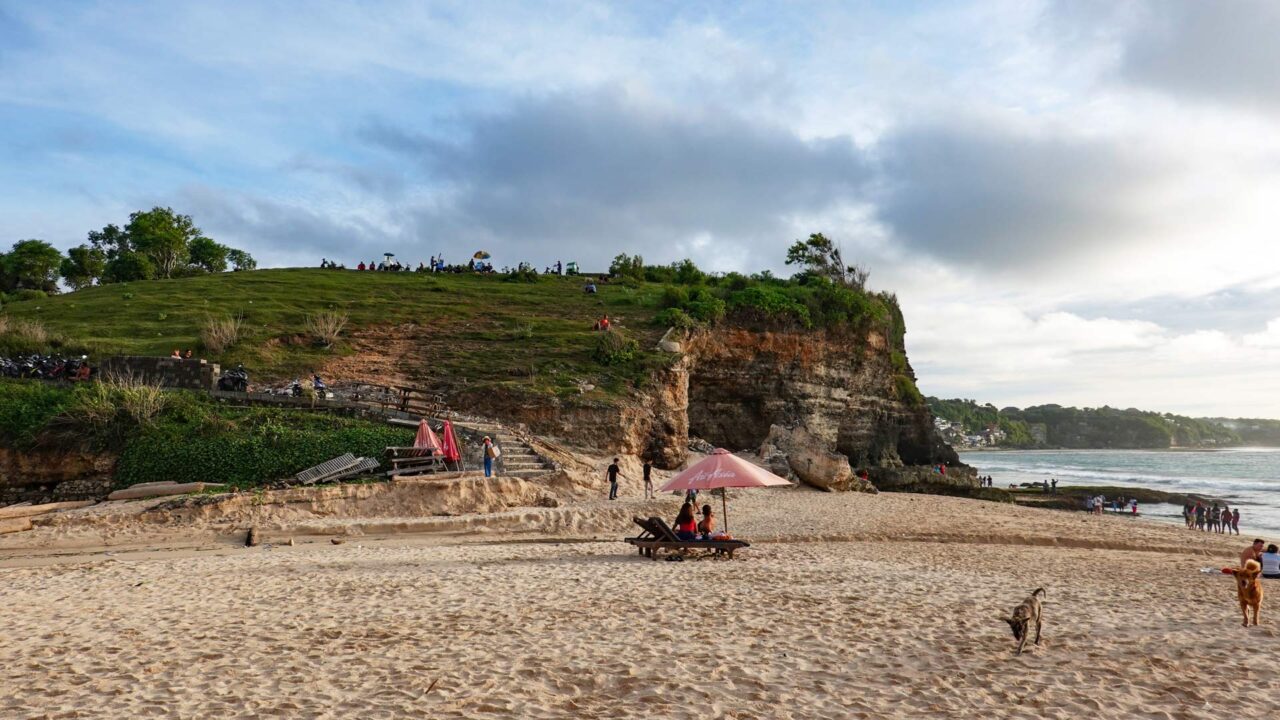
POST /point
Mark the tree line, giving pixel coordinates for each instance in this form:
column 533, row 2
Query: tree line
column 155, row 243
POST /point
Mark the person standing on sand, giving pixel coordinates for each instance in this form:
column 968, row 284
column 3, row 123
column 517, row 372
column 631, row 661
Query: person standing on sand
column 648, row 480
column 611, row 473
column 1054, row 484
column 1200, row 509
column 1235, row 520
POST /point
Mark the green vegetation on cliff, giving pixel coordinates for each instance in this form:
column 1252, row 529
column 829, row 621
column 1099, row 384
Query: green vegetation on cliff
column 1079, row 428
column 182, row 436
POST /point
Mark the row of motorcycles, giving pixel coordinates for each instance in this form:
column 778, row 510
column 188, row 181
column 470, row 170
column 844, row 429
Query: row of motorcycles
column 46, row 367
column 237, row 380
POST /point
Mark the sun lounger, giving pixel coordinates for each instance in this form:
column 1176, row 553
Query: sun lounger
column 658, row 536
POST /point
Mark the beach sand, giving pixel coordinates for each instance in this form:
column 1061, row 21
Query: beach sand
column 846, row 606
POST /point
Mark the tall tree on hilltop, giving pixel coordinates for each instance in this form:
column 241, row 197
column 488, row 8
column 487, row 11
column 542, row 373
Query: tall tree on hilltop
column 30, row 265
column 207, row 255
column 241, row 260
column 83, row 266
column 819, row 256
column 164, row 237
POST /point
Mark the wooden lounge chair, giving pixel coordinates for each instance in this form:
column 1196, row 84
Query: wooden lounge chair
column 658, row 536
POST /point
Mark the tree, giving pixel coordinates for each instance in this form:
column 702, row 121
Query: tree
column 83, row 266
column 819, row 256
column 208, row 255
column 241, row 260
column 625, row 265
column 164, row 237
column 111, row 240
column 127, row 267
column 30, row 265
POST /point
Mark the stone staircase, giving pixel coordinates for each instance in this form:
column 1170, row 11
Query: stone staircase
column 519, row 459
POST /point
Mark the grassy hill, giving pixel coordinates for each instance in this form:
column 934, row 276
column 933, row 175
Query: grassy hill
column 484, row 329
column 446, row 332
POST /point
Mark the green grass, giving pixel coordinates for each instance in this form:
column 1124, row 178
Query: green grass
column 478, row 330
column 191, row 439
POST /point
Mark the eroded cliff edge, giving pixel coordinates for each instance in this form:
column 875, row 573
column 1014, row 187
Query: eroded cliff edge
column 816, row 396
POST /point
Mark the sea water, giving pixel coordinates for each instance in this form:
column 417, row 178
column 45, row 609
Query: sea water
column 1247, row 477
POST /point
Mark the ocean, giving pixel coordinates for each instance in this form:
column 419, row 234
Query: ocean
column 1248, row 477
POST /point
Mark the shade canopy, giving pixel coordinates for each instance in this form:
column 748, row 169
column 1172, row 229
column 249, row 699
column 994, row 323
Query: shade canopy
column 426, row 438
column 722, row 469
column 481, row 255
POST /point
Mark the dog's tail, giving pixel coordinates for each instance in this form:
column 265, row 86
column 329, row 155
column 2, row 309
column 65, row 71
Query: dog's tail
column 1039, row 591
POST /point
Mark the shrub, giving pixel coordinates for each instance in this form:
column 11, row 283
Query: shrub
column 613, row 347
column 673, row 297
column 771, row 305
column 26, row 409
column 249, row 449
column 524, row 275
column 705, row 306
column 29, row 294
column 676, row 318
column 18, row 337
column 218, row 334
column 325, row 327
column 906, row 390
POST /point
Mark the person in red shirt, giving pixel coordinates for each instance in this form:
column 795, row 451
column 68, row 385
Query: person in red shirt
column 360, row 266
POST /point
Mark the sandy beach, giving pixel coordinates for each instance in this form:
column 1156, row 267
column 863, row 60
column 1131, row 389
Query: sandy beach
column 847, row 606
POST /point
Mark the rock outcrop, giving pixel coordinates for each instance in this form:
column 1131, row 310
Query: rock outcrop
column 844, row 401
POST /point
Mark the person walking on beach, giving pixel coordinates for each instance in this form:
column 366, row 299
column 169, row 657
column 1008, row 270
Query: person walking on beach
column 1235, row 521
column 1054, row 484
column 1200, row 510
column 611, row 473
column 648, row 480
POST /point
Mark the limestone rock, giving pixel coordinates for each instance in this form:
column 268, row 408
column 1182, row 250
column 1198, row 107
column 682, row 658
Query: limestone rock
column 812, row 460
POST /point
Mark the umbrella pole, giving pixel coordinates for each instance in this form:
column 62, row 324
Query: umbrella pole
column 724, row 507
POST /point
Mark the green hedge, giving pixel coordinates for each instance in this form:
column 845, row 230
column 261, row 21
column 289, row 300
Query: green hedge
column 245, row 452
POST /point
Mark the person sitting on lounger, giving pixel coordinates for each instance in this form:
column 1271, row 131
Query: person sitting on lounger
column 686, row 525
column 707, row 525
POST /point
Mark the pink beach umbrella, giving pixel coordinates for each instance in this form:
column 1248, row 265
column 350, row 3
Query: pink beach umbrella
column 719, row 470
column 449, row 447
column 426, row 438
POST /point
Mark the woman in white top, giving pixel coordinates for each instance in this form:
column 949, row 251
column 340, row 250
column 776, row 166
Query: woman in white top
column 1271, row 563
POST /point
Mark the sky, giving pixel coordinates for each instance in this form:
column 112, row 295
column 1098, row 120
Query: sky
column 1075, row 202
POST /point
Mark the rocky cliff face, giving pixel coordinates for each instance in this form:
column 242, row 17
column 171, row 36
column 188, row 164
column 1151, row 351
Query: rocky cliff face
column 54, row 475
column 836, row 393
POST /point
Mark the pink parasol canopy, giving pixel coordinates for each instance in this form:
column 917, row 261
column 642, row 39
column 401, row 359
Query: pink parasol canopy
column 426, row 438
column 722, row 469
column 449, row 445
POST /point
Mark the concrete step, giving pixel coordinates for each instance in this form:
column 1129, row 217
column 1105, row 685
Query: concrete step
column 525, row 474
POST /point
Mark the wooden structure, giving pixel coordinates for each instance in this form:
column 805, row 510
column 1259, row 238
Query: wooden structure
column 343, row 466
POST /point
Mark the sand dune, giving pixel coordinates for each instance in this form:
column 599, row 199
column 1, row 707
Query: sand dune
column 866, row 626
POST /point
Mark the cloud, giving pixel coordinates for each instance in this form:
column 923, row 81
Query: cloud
column 993, row 197
column 575, row 172
column 1225, row 50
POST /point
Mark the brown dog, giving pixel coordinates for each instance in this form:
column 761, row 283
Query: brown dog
column 1025, row 614
column 1249, row 590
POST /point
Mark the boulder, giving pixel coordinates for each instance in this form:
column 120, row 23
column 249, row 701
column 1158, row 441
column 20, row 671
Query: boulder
column 811, row 459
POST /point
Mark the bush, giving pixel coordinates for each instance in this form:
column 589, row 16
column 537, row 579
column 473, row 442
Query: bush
column 613, row 347
column 29, row 294
column 905, row 389
column 673, row 297
column 27, row 408
column 704, row 306
column 249, row 449
column 325, row 327
column 676, row 318
column 218, row 334
column 19, row 337
column 770, row 305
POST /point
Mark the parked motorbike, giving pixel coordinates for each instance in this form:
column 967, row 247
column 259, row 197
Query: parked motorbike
column 234, row 380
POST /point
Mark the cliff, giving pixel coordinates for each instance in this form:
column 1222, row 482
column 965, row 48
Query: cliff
column 795, row 393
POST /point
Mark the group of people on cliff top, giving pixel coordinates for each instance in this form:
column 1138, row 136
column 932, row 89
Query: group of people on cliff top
column 1216, row 519
column 437, row 265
